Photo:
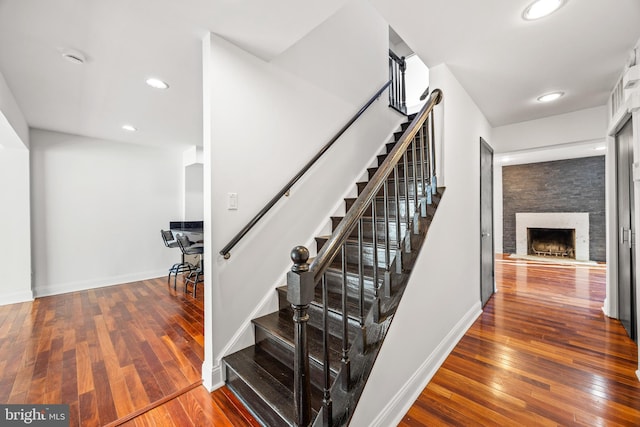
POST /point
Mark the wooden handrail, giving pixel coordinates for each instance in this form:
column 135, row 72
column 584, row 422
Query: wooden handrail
column 331, row 248
column 226, row 251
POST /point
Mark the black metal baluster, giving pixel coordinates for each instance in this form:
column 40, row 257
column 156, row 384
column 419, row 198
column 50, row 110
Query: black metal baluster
column 428, row 156
column 327, row 404
column 403, row 94
column 391, row 78
column 346, row 363
column 434, row 182
column 361, row 284
column 418, row 163
column 374, row 228
column 387, row 255
column 396, row 191
column 415, row 183
column 426, row 199
column 394, row 84
column 407, row 210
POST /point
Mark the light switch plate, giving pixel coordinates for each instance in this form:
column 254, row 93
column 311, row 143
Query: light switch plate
column 232, row 201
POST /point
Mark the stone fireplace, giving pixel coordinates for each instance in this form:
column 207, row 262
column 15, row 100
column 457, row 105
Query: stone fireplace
column 563, row 234
column 565, row 186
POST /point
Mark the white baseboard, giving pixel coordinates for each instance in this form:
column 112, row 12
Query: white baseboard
column 16, row 297
column 605, row 307
column 83, row 285
column 212, row 376
column 398, row 406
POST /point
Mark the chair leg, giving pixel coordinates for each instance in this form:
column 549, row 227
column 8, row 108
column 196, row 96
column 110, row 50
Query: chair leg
column 175, row 273
column 188, row 280
column 193, row 278
column 195, row 284
column 172, row 270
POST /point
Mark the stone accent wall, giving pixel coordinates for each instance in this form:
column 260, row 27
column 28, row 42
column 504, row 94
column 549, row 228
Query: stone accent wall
column 575, row 185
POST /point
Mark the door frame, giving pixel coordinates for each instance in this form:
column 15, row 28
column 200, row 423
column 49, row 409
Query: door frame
column 628, row 213
column 485, row 145
column 631, row 111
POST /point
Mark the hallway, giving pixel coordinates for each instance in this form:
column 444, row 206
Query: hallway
column 542, row 353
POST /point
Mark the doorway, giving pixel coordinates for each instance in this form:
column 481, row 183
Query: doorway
column 487, row 249
column 626, row 234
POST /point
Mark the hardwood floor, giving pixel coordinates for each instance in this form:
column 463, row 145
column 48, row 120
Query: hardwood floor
column 113, row 353
column 541, row 354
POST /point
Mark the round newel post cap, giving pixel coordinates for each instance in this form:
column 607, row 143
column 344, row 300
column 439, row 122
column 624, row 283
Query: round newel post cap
column 300, row 256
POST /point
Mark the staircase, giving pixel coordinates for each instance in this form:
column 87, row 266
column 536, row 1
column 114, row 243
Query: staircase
column 366, row 280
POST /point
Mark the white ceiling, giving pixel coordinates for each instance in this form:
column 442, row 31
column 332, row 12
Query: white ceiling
column 126, row 41
column 502, row 61
column 505, row 63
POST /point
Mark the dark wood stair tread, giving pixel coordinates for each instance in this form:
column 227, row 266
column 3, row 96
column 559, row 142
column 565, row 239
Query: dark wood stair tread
column 280, row 326
column 335, row 269
column 270, row 381
column 335, row 304
column 335, row 308
column 367, row 244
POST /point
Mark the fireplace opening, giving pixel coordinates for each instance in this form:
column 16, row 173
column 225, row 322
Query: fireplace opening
column 554, row 242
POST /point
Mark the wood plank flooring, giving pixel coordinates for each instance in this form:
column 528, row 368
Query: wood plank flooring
column 541, row 354
column 112, row 353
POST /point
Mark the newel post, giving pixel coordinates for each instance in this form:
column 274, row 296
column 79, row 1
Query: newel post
column 300, row 292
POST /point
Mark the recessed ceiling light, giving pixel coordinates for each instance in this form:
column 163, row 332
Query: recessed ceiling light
column 74, row 56
column 541, row 8
column 548, row 97
column 129, row 128
column 156, row 83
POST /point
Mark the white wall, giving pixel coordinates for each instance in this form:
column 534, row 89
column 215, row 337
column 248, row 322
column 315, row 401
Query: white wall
column 578, row 126
column 416, row 81
column 14, row 117
column 442, row 298
column 15, row 253
column 98, row 207
column 193, row 192
column 193, row 163
column 334, row 56
column 265, row 122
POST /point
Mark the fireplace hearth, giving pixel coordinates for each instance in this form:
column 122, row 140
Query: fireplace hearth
column 551, row 242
